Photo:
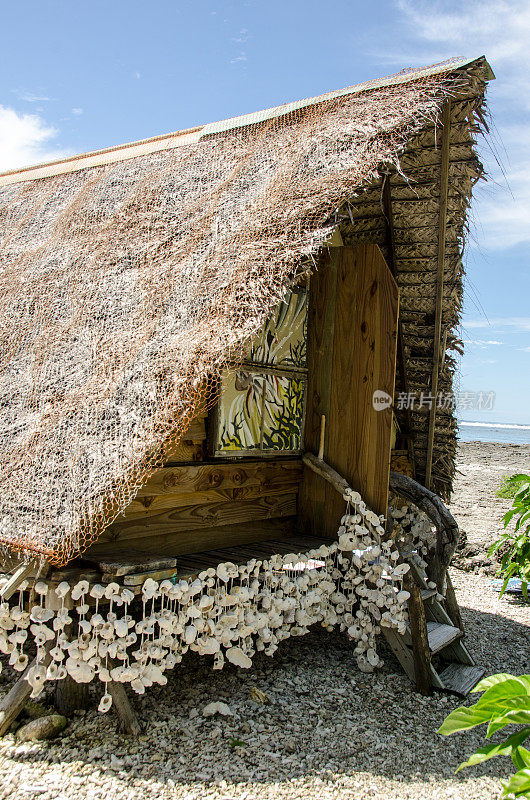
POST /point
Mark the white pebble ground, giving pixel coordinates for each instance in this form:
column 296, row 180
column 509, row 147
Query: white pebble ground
column 329, row 730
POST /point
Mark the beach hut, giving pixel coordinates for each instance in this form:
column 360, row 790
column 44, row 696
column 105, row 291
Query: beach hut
column 213, row 344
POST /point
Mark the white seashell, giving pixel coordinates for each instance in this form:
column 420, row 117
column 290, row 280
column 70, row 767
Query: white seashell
column 36, row 676
column 41, row 587
column 112, row 590
column 80, row 671
column 20, row 662
column 40, row 614
column 57, row 653
column 137, row 686
column 42, row 633
column 190, row 634
column 236, row 656
column 79, row 590
column 121, row 627
column 62, row 589
column 18, row 637
column 206, row 602
column 97, row 591
column 217, row 708
column 107, row 631
column 402, row 596
column 105, row 703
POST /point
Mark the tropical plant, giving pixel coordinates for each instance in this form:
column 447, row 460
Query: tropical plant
column 510, row 485
column 515, row 561
column 506, row 701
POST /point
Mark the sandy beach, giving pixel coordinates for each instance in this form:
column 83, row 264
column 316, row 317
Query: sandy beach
column 475, row 505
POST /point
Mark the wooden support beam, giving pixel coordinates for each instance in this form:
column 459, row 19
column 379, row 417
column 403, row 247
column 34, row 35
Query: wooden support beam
column 447, row 531
column 18, row 695
column 420, row 640
column 438, row 319
column 401, row 357
column 17, row 578
column 325, row 471
column 128, row 719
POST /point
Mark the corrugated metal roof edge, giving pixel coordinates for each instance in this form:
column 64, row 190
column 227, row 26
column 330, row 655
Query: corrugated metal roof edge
column 129, row 150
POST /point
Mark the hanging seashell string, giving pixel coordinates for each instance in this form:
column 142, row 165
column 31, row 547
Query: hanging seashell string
column 229, row 612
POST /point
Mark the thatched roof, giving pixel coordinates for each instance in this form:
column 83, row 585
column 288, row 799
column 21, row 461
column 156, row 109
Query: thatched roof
column 130, row 276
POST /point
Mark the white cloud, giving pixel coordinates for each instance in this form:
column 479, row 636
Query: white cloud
column 26, row 139
column 514, row 323
column 137, row 75
column 524, row 349
column 482, row 343
column 31, row 97
column 241, row 57
column 242, row 37
column 77, row 111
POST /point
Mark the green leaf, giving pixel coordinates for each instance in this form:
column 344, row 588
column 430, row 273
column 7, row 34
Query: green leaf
column 503, row 749
column 519, row 785
column 491, row 680
column 463, row 718
column 510, row 688
column 521, row 757
column 515, row 717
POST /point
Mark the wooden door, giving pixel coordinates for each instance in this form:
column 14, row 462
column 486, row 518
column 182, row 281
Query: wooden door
column 353, row 316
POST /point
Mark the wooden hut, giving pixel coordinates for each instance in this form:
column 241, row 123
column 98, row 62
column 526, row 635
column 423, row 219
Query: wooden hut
column 213, row 344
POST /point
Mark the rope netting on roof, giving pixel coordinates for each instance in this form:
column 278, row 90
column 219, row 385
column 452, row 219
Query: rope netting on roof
column 124, row 288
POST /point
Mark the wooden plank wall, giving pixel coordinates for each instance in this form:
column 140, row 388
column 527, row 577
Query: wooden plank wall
column 195, row 507
column 353, row 317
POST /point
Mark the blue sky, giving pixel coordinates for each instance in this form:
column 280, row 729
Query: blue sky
column 78, row 77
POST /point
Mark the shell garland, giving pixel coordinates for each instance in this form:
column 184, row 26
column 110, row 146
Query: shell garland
column 229, row 612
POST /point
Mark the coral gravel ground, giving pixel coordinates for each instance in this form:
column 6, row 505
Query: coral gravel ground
column 328, row 730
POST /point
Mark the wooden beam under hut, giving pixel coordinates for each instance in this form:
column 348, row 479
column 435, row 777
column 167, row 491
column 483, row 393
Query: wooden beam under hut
column 437, row 344
column 386, row 196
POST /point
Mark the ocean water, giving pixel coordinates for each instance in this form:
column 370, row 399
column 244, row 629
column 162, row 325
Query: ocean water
column 490, row 432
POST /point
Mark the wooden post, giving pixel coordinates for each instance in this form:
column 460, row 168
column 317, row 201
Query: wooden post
column 128, row 719
column 18, row 577
column 451, row 604
column 442, row 223
column 401, row 357
column 420, row 641
column 18, row 695
column 68, row 695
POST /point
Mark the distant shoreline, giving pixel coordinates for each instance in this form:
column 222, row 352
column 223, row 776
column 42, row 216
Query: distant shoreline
column 501, row 433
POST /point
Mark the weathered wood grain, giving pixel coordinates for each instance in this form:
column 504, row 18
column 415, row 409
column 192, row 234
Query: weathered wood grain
column 205, row 477
column 281, row 482
column 126, row 562
column 202, row 516
column 320, row 326
column 349, row 359
column 208, row 538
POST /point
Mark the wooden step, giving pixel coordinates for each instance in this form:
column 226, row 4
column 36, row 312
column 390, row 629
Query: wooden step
column 441, row 635
column 460, row 678
column 426, row 594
